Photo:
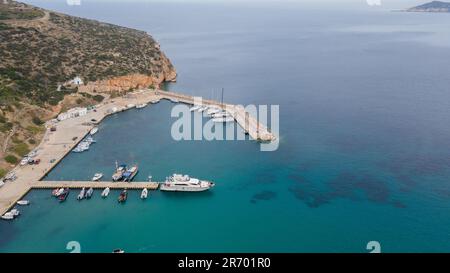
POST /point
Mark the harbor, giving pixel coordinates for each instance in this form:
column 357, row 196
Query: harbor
column 63, row 136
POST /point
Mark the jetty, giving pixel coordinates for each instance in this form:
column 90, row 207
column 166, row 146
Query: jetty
column 62, row 136
column 95, row 185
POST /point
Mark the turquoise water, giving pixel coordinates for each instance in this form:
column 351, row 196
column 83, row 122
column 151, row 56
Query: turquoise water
column 364, row 128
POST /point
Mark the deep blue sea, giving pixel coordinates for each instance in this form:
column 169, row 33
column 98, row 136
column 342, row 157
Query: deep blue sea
column 364, row 136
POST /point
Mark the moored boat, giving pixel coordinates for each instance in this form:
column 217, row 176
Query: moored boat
column 212, row 110
column 23, row 202
column 178, row 182
column 201, row 109
column 141, row 105
column 8, row 216
column 144, row 193
column 130, row 173
column 194, row 108
column 93, row 131
column 15, row 212
column 118, row 174
column 89, row 193
column 118, row 250
column 97, row 177
column 105, row 192
column 123, row 196
column 81, row 194
column 64, row 195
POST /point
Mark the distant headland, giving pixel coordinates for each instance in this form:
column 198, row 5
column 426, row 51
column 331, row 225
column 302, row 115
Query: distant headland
column 435, row 6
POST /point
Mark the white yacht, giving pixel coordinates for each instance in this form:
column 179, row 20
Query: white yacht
column 23, row 202
column 82, row 194
column 8, row 216
column 97, row 177
column 105, row 192
column 144, row 193
column 15, row 212
column 178, row 182
column 93, row 131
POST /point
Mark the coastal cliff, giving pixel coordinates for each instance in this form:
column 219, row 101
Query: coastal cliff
column 52, row 61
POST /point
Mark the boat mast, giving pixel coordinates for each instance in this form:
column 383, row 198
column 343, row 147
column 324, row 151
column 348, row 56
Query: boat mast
column 222, row 97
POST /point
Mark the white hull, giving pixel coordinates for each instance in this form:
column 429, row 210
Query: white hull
column 182, row 188
column 93, row 131
column 23, row 202
column 105, row 192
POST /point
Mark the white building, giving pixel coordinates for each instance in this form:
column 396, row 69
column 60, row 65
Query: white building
column 77, row 81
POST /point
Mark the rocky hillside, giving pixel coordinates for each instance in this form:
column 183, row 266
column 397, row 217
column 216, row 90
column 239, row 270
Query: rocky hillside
column 42, row 51
column 435, row 6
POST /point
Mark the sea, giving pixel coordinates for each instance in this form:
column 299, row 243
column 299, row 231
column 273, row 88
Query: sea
column 364, row 135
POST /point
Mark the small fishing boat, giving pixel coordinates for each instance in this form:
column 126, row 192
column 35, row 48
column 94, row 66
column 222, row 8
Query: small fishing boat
column 118, row 250
column 194, row 108
column 8, row 216
column 123, row 196
column 105, row 192
column 64, row 195
column 15, row 212
column 54, row 192
column 93, row 131
column 174, row 100
column 81, row 194
column 97, row 177
column 130, row 173
column 89, row 193
column 140, row 106
column 144, row 193
column 23, row 202
column 57, row 192
column 118, row 174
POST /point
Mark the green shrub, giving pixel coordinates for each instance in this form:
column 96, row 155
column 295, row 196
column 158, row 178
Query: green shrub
column 2, row 172
column 11, row 159
column 99, row 98
column 36, row 120
column 32, row 141
column 21, row 149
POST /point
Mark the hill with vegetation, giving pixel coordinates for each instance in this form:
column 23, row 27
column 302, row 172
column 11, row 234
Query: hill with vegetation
column 43, row 51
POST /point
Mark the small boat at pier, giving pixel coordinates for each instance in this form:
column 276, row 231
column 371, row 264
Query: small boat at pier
column 64, row 195
column 118, row 250
column 8, row 216
column 178, row 182
column 123, row 196
column 130, row 173
column 141, row 105
column 93, row 131
column 15, row 212
column 118, row 174
column 57, row 192
column 81, row 194
column 105, row 192
column 144, row 193
column 97, row 177
column 89, row 193
column 23, row 202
